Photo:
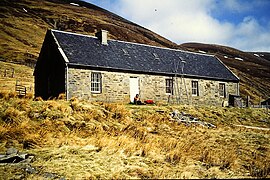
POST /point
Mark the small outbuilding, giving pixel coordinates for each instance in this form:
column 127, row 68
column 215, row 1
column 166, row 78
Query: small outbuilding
column 98, row 69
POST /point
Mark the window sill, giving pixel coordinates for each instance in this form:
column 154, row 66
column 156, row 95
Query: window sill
column 95, row 92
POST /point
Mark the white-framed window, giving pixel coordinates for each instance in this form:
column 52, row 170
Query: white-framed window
column 169, row 86
column 195, row 88
column 96, row 82
column 222, row 90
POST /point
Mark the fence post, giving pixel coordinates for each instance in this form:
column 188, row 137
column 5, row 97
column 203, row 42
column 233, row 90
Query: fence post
column 16, row 86
column 247, row 102
column 13, row 72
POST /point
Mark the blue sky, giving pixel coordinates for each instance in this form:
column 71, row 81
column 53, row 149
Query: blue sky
column 242, row 24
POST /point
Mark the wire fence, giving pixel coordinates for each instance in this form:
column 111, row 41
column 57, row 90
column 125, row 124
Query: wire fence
column 8, row 72
column 8, row 76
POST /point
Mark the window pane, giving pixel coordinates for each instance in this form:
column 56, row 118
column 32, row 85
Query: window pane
column 169, row 86
column 96, row 82
column 195, row 88
column 222, row 92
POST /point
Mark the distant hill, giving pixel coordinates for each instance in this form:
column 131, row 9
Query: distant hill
column 23, row 25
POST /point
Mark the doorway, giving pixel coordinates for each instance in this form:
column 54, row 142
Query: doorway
column 134, row 87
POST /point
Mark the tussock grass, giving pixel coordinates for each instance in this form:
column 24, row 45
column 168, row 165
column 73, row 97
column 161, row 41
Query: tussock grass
column 102, row 140
column 23, row 75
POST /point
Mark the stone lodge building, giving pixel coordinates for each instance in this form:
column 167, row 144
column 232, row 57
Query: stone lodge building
column 98, row 69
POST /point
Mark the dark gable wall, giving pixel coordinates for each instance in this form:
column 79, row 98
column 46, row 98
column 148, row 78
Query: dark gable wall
column 50, row 70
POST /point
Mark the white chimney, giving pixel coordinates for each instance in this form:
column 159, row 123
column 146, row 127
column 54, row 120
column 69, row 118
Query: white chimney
column 103, row 36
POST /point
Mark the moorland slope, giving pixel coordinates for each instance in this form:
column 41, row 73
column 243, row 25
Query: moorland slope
column 23, row 25
column 80, row 140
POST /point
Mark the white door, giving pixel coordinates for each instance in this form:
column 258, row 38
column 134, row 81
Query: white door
column 134, row 87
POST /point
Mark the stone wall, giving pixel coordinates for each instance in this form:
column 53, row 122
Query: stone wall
column 115, row 88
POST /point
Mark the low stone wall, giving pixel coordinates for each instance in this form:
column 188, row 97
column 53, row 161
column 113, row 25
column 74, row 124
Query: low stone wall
column 116, row 88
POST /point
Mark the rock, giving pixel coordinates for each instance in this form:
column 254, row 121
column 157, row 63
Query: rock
column 30, row 170
column 11, row 151
column 16, row 158
column 174, row 114
column 50, row 175
column 90, row 148
column 28, row 159
column 11, row 159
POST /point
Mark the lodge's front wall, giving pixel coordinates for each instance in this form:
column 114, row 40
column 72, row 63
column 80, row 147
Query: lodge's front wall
column 115, row 88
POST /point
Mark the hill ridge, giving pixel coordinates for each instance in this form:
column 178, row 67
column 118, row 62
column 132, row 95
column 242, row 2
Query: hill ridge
column 23, row 25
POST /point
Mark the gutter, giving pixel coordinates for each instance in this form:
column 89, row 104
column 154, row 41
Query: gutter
column 102, row 68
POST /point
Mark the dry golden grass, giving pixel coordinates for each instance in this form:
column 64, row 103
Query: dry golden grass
column 10, row 74
column 77, row 139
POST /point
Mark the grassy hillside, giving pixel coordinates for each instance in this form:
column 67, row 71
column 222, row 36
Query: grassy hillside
column 11, row 73
column 76, row 139
column 23, row 25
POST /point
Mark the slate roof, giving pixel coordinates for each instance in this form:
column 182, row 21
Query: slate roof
column 86, row 50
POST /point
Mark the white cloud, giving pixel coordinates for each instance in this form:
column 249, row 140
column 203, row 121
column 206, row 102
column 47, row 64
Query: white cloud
column 250, row 35
column 236, row 5
column 179, row 21
column 191, row 20
column 241, row 6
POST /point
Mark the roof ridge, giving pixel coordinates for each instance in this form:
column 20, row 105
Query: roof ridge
column 140, row 44
column 161, row 47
